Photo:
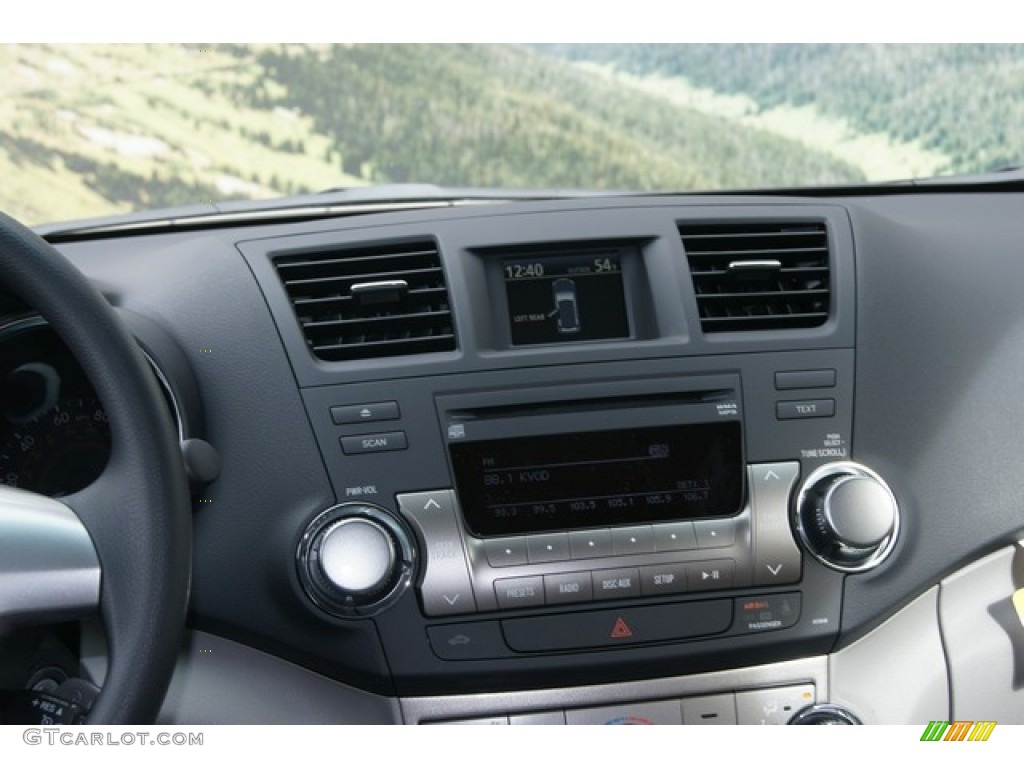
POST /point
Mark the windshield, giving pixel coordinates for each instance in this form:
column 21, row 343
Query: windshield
column 94, row 129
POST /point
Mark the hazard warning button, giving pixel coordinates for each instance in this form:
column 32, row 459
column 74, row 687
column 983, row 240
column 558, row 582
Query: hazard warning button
column 621, row 629
column 613, row 628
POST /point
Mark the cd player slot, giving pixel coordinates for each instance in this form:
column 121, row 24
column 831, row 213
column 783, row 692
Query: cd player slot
column 587, row 405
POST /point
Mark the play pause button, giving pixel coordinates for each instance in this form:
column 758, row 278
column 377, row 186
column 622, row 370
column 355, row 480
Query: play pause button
column 710, row 574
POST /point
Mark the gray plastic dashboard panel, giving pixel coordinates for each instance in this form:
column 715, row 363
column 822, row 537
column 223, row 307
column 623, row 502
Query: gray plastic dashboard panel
column 221, row 682
column 667, row 342
column 283, row 460
column 464, row 240
column 939, row 329
column 940, row 335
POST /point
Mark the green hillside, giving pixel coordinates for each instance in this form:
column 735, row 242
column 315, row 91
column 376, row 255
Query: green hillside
column 498, row 115
column 92, row 129
column 963, row 101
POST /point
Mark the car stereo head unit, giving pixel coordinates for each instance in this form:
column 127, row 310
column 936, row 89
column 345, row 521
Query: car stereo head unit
column 597, row 491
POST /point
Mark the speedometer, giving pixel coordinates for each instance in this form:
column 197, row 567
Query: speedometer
column 54, row 434
column 59, row 451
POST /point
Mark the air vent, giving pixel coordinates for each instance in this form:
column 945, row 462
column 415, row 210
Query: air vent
column 372, row 301
column 759, row 276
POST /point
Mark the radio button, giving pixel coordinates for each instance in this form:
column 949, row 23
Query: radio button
column 663, row 579
column 635, row 540
column 587, row 544
column 712, row 534
column 505, row 552
column 547, row 547
column 568, row 588
column 674, row 537
column 712, row 574
column 527, row 592
column 615, row 583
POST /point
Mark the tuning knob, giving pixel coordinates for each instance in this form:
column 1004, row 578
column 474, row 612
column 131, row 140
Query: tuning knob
column 355, row 560
column 847, row 517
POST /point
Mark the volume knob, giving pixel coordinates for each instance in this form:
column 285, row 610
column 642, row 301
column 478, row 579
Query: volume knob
column 847, row 517
column 355, row 560
column 357, row 556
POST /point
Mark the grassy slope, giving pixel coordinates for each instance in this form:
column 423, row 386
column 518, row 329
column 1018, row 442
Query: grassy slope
column 102, row 128
column 503, row 115
column 105, row 128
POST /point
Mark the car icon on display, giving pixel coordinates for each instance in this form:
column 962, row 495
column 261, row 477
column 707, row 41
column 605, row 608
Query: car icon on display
column 566, row 309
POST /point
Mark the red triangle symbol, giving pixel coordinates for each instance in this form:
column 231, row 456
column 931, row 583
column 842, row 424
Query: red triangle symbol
column 621, row 628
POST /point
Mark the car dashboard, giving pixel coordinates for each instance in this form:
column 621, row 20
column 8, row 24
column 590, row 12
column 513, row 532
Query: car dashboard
column 693, row 459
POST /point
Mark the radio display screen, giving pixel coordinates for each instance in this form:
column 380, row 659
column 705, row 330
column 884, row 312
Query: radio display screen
column 595, row 479
column 566, row 298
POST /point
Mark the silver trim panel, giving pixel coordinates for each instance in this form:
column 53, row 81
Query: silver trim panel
column 49, row 569
column 812, row 671
column 896, row 674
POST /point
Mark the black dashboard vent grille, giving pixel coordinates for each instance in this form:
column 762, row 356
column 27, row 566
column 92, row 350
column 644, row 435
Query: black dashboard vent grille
column 759, row 276
column 372, row 301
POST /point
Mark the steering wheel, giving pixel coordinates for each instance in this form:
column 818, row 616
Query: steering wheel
column 123, row 543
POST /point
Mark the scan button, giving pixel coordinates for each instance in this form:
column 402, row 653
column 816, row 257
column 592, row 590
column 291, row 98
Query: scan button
column 377, row 443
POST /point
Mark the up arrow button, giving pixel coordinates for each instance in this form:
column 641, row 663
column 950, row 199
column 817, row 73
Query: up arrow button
column 777, row 559
column 446, row 588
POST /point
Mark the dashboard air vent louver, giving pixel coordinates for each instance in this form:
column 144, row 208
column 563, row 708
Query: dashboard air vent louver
column 379, row 300
column 759, row 276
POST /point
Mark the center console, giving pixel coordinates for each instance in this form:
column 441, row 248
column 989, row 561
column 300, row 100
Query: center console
column 587, row 481
column 568, row 526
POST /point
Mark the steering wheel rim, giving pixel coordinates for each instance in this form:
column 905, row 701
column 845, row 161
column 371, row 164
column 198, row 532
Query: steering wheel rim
column 137, row 513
